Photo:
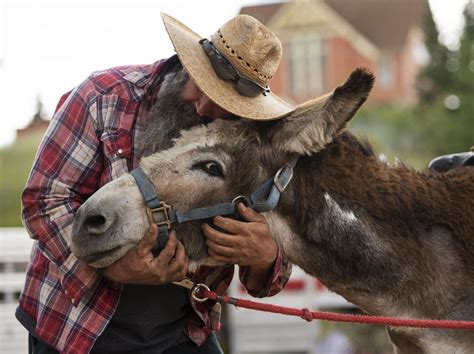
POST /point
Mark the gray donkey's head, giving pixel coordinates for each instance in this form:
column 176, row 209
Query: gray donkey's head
column 210, row 164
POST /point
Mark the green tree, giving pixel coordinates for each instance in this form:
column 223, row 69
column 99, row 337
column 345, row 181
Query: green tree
column 443, row 121
column 464, row 75
column 435, row 76
column 446, row 114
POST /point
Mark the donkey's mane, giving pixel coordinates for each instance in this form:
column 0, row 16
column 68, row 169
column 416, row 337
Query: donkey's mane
column 362, row 144
column 399, row 192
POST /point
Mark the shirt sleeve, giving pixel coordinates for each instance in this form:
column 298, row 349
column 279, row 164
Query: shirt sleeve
column 277, row 279
column 65, row 172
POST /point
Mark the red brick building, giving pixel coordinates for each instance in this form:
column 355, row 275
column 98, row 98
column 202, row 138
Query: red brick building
column 324, row 40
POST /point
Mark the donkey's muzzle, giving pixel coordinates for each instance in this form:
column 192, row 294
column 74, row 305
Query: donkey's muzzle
column 90, row 222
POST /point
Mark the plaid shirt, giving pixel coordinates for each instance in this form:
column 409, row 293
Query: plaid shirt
column 90, row 141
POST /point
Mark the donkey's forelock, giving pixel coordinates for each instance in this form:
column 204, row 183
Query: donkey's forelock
column 227, row 141
column 220, row 132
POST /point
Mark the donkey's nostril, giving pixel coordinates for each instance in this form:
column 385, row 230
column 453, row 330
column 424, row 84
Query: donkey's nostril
column 95, row 220
column 95, row 224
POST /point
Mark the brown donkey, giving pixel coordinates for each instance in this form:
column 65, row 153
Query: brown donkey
column 392, row 240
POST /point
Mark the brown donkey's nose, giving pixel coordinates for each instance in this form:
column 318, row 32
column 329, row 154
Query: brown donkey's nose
column 94, row 222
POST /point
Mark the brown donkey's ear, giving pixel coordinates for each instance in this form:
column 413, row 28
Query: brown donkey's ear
column 315, row 123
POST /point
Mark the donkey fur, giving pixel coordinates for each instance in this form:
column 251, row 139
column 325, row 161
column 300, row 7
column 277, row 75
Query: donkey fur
column 392, row 240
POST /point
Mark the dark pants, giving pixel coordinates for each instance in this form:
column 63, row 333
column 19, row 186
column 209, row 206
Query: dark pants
column 211, row 346
column 37, row 347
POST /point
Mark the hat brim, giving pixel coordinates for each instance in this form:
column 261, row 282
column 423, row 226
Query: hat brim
column 222, row 92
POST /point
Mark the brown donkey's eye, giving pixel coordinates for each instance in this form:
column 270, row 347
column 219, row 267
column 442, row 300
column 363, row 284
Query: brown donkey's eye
column 211, row 168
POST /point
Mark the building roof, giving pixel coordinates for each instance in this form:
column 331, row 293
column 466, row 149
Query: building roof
column 385, row 23
column 263, row 13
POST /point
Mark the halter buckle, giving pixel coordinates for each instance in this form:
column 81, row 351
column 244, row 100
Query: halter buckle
column 163, row 208
column 276, row 179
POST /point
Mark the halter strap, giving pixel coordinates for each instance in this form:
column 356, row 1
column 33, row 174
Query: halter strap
column 264, row 198
column 154, row 205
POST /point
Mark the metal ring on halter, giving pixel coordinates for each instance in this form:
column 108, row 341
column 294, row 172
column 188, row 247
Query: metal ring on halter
column 241, row 198
column 276, row 178
column 197, row 289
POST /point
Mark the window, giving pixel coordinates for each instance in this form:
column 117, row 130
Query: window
column 307, row 63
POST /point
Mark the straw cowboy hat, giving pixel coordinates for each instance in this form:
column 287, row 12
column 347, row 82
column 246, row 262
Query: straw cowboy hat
column 254, row 53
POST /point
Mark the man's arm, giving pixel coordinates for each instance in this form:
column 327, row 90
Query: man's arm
column 263, row 269
column 67, row 169
column 65, row 172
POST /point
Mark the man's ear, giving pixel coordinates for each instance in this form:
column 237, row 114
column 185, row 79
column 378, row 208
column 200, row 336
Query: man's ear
column 315, row 123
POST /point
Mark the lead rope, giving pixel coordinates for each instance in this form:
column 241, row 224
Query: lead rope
column 203, row 294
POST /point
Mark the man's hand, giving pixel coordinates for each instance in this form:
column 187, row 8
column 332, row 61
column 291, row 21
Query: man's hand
column 247, row 243
column 139, row 266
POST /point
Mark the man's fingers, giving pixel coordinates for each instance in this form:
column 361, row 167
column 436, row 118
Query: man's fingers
column 180, row 253
column 179, row 264
column 248, row 214
column 219, row 237
column 219, row 258
column 230, row 225
column 169, row 251
column 180, row 257
column 148, row 241
column 219, row 249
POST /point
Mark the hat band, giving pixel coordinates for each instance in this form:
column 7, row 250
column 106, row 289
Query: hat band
column 226, row 71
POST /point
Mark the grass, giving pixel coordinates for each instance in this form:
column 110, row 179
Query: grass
column 15, row 165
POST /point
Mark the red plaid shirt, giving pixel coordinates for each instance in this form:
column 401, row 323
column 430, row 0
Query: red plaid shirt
column 91, row 141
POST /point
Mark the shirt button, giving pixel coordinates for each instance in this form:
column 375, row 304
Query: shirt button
column 119, row 152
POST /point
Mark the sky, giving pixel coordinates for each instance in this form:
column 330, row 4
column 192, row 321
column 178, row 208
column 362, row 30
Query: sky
column 48, row 47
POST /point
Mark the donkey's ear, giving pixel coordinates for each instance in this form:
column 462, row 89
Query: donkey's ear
column 315, row 123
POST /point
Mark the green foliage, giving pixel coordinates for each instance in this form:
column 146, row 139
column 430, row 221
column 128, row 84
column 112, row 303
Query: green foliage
column 15, row 165
column 393, row 131
column 464, row 74
column 435, row 76
column 443, row 121
column 446, row 131
column 452, row 130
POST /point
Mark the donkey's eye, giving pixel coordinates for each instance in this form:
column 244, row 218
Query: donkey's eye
column 211, row 167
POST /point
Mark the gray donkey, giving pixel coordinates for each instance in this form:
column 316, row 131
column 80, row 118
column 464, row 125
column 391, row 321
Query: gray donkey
column 391, row 240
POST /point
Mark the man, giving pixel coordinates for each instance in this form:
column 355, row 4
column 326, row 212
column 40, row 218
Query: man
column 98, row 132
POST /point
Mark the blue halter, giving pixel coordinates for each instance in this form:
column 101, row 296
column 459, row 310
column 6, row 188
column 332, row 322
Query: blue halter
column 265, row 198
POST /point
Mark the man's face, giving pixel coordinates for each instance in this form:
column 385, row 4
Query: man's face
column 203, row 104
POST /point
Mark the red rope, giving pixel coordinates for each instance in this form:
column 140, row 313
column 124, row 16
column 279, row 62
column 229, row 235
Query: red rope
column 338, row 317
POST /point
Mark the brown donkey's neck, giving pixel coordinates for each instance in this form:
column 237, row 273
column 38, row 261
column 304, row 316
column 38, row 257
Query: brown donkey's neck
column 403, row 198
column 363, row 225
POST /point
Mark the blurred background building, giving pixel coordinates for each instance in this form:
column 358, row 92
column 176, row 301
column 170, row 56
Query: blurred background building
column 421, row 106
column 323, row 41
